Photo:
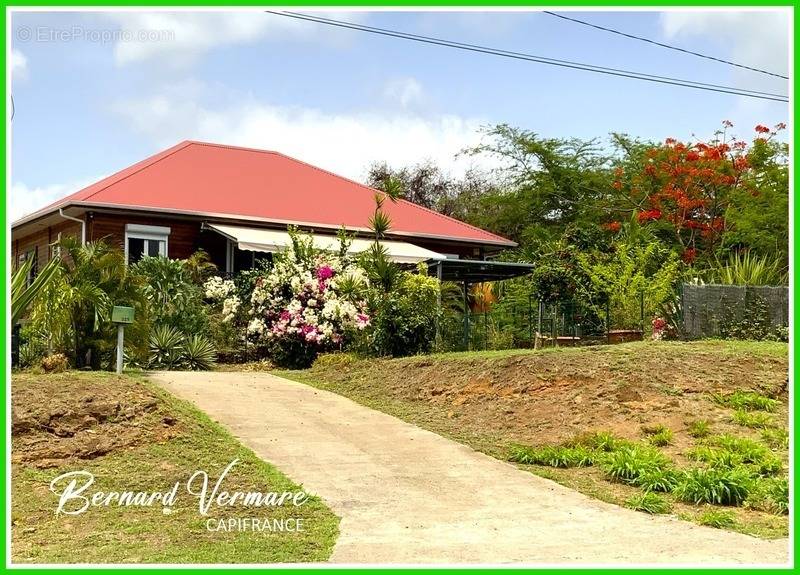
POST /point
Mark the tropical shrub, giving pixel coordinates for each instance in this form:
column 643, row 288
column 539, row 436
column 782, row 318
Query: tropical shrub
column 172, row 294
column 23, row 292
column 29, row 354
column 748, row 269
column 554, row 280
column 404, row 319
column 638, row 272
column 73, row 311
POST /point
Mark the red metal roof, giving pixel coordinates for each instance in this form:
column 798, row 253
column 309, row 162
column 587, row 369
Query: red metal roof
column 219, row 180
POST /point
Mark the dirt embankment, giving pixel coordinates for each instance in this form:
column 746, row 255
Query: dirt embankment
column 57, row 418
column 547, row 397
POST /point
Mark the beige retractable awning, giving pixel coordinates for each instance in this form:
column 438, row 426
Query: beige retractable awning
column 260, row 240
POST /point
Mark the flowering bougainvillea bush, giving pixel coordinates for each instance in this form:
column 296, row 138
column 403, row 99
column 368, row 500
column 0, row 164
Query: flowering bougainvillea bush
column 308, row 301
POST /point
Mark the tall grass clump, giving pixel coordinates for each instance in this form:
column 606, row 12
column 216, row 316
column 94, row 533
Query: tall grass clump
column 649, row 503
column 717, row 518
column 552, row 456
column 630, row 462
column 753, row 420
column 714, row 485
column 776, row 438
column 699, row 428
column 746, row 400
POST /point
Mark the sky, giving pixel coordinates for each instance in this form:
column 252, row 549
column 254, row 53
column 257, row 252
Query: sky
column 96, row 92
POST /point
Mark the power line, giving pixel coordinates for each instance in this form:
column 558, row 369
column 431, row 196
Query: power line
column 669, row 46
column 537, row 59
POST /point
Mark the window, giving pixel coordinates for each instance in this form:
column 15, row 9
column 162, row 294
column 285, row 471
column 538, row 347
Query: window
column 141, row 240
column 237, row 260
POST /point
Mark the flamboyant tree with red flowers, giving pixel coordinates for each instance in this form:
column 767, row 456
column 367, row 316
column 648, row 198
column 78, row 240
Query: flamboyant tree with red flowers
column 684, row 189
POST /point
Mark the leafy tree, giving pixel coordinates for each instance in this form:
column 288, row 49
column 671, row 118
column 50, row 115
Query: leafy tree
column 426, row 184
column 546, row 184
column 757, row 216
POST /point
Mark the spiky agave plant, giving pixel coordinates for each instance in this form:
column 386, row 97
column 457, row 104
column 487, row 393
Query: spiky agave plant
column 167, row 348
column 746, row 268
column 199, row 353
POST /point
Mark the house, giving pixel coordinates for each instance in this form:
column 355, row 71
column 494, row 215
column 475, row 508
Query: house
column 236, row 203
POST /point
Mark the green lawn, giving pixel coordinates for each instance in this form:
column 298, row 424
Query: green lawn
column 147, row 535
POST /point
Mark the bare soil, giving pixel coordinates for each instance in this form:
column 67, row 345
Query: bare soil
column 59, row 418
column 548, row 397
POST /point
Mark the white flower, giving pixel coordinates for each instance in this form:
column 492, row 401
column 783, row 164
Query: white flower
column 217, row 289
column 229, row 308
column 256, row 326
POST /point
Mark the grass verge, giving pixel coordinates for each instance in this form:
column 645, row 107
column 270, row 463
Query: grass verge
column 150, row 461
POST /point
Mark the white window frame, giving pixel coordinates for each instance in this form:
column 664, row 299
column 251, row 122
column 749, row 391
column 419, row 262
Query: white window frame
column 144, row 232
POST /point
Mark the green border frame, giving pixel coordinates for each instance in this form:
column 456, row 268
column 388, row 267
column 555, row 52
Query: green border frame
column 589, row 4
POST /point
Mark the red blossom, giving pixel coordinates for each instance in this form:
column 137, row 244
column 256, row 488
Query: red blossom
column 649, row 215
column 613, row 226
column 689, row 255
column 762, row 129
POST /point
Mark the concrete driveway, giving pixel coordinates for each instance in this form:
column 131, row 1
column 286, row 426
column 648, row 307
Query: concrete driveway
column 406, row 495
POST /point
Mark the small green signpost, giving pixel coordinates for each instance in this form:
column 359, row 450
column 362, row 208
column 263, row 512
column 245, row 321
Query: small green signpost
column 121, row 316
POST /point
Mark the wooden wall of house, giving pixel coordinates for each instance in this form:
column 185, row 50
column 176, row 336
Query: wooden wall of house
column 183, row 237
column 42, row 241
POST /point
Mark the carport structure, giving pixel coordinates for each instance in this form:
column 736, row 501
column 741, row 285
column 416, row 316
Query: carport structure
column 470, row 272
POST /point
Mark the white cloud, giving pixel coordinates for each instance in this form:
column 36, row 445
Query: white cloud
column 760, row 39
column 403, row 91
column 343, row 143
column 180, row 38
column 24, row 200
column 19, row 65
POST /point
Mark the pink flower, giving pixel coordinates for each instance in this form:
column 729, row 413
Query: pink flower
column 285, row 315
column 324, row 273
column 362, row 321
